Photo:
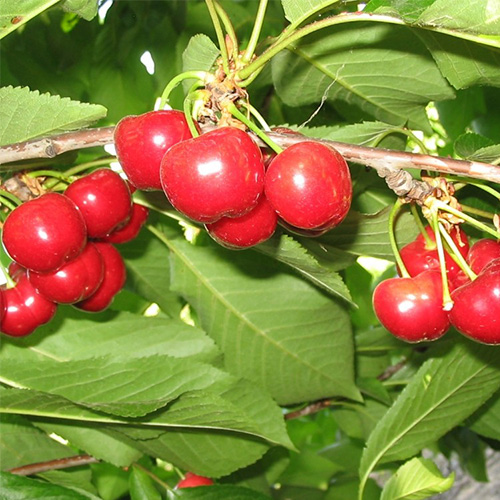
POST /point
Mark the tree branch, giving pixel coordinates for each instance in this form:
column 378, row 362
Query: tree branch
column 61, row 463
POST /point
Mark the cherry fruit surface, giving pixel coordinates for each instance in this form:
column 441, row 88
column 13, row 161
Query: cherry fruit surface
column 131, row 229
column 192, row 480
column 482, row 252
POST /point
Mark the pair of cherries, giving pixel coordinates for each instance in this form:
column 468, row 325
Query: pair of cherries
column 412, row 308
column 62, row 250
column 220, row 178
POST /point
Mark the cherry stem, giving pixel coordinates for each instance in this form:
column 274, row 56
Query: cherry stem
column 257, row 27
column 257, row 116
column 231, row 107
column 201, row 76
column 61, row 176
column 154, row 477
column 477, row 211
column 6, row 195
column 6, row 203
column 428, row 241
column 477, row 184
column 392, row 238
column 220, row 34
column 447, row 302
column 456, row 254
column 189, row 105
column 229, row 30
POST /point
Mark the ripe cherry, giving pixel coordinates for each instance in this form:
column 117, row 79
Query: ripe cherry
column 411, row 308
column 476, row 309
column 141, row 141
column 104, row 200
column 218, row 174
column 131, row 229
column 75, row 281
column 482, row 252
column 192, row 480
column 113, row 280
column 44, row 233
column 24, row 308
column 248, row 230
column 309, row 186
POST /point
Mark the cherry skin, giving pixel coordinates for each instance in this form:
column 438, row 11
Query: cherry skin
column 482, row 252
column 192, row 480
column 104, row 200
column 218, row 174
column 309, row 186
column 131, row 229
column 250, row 229
column 73, row 282
column 113, row 280
column 24, row 308
column 476, row 309
column 44, row 233
column 418, row 256
column 141, row 141
column 411, row 308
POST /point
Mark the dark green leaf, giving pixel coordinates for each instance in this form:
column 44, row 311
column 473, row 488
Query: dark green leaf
column 142, row 486
column 218, row 492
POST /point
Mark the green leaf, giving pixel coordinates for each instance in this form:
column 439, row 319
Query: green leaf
column 142, row 486
column 296, row 10
column 273, row 328
column 485, row 420
column 200, row 54
column 84, row 8
column 363, row 73
column 467, row 144
column 26, row 114
column 445, row 390
column 219, row 491
column 415, row 480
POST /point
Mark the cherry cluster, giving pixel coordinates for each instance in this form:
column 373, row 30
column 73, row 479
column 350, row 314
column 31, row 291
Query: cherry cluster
column 62, row 250
column 220, row 179
column 412, row 308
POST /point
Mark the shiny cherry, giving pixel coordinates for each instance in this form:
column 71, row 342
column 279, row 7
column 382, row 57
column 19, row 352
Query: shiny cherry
column 476, row 309
column 131, row 229
column 44, row 233
column 75, row 281
column 141, row 141
column 113, row 281
column 411, row 308
column 192, row 480
column 250, row 229
column 309, row 186
column 482, row 252
column 104, row 200
column 217, row 174
column 24, row 308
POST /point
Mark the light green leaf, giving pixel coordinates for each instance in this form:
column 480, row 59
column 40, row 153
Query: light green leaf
column 415, row 480
column 218, row 492
column 444, row 391
column 26, row 114
column 200, row 54
column 84, row 8
column 297, row 10
column 142, row 486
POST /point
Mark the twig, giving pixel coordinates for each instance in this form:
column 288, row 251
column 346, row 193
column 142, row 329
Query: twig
column 392, row 370
column 309, row 409
column 62, row 463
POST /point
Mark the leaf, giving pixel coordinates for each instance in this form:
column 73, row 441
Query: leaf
column 363, row 73
column 485, row 420
column 274, row 329
column 200, row 54
column 26, row 114
column 417, row 479
column 289, row 251
column 467, row 144
column 142, row 486
column 84, row 8
column 444, row 391
column 219, row 491
column 297, row 10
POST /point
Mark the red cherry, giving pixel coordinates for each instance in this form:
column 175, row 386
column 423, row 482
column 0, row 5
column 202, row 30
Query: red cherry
column 476, row 309
column 44, row 233
column 113, row 281
column 248, row 230
column 104, row 201
column 411, row 308
column 217, row 174
column 418, row 256
column 192, row 480
column 482, row 252
column 25, row 309
column 75, row 281
column 131, row 229
column 309, row 186
column 141, row 141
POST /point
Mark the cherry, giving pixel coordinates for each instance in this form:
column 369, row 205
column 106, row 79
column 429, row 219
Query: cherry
column 131, row 229
column 419, row 256
column 218, row 174
column 44, row 233
column 476, row 309
column 483, row 252
column 141, row 141
column 113, row 281
column 192, row 480
column 411, row 308
column 309, row 186
column 104, row 200
column 248, row 230
column 75, row 281
column 24, row 308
